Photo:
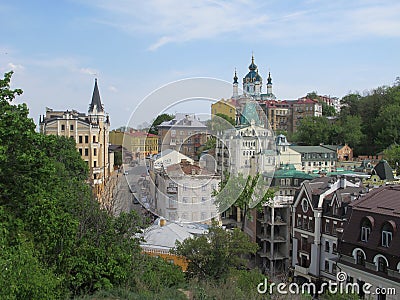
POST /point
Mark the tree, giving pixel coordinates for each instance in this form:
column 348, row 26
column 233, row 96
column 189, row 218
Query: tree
column 388, row 124
column 314, row 130
column 211, row 256
column 328, row 110
column 220, row 122
column 160, row 118
column 392, row 155
column 246, row 193
column 312, row 95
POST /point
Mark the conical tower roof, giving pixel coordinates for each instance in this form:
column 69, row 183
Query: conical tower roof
column 96, row 99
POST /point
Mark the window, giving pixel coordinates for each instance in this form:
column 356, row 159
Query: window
column 71, row 127
column 382, row 265
column 185, row 199
column 296, row 182
column 327, row 227
column 305, row 222
column 304, row 205
column 184, row 187
column 334, row 250
column 94, row 164
column 288, row 181
column 360, row 260
column 298, row 221
column 334, row 268
column 80, row 139
column 172, row 202
column 203, row 215
column 86, row 139
column 303, row 243
column 86, row 151
column 62, row 127
column 282, row 182
column 203, row 200
column 334, row 228
column 365, row 229
column 326, row 246
column 95, row 152
column 203, row 188
column 387, row 233
column 327, row 265
column 94, row 139
column 80, row 151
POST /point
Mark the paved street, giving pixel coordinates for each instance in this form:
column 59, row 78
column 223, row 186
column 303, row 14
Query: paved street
column 129, row 189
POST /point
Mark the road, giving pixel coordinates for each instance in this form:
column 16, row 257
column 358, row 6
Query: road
column 129, row 188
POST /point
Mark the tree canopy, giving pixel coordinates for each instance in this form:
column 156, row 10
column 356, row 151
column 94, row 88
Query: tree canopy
column 160, row 118
column 55, row 241
column 246, row 193
column 211, row 256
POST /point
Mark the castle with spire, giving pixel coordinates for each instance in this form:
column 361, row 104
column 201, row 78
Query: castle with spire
column 90, row 133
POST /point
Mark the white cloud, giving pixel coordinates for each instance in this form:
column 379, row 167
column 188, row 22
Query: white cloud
column 88, row 71
column 113, row 89
column 15, row 67
column 174, row 21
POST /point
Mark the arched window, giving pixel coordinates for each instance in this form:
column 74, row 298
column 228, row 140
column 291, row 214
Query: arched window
column 359, row 256
column 366, row 227
column 381, row 263
column 387, row 234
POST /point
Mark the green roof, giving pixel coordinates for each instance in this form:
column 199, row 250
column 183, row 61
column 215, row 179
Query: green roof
column 289, row 171
column 311, row 149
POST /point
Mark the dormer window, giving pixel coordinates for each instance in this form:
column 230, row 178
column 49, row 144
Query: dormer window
column 387, row 234
column 360, row 258
column 366, row 227
column 381, row 263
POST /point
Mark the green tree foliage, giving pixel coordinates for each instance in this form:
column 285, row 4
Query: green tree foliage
column 55, row 241
column 246, row 193
column 161, row 118
column 314, row 130
column 392, row 155
column 220, row 122
column 212, row 255
column 328, row 110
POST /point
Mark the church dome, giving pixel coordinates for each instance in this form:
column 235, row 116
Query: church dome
column 253, row 75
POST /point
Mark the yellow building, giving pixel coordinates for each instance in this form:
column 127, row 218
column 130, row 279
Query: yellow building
column 225, row 107
column 91, row 134
column 140, row 143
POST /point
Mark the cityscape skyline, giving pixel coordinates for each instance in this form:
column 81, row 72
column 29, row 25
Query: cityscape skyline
column 57, row 49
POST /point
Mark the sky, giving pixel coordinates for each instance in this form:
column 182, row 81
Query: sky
column 137, row 48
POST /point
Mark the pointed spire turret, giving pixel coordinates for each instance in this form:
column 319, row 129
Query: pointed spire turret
column 252, row 66
column 96, row 102
column 269, row 80
column 235, row 78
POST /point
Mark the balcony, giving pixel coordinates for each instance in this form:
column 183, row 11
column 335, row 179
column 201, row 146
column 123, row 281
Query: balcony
column 276, row 256
column 96, row 170
column 301, row 270
column 267, row 237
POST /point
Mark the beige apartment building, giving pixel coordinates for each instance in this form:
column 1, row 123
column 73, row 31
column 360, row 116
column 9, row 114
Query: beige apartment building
column 91, row 134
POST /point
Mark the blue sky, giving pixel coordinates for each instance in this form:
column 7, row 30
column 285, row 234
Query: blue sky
column 57, row 48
